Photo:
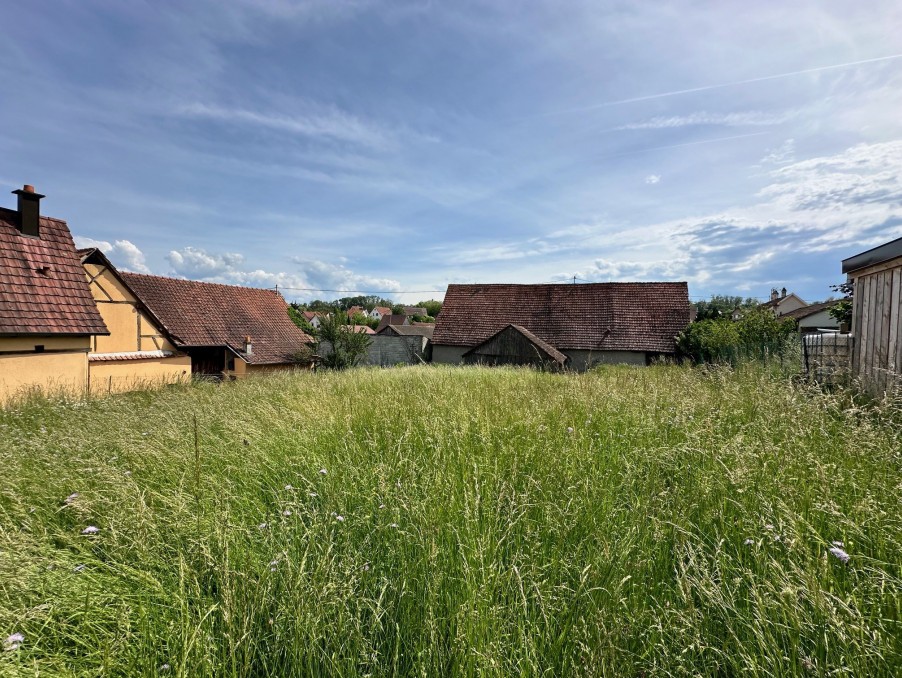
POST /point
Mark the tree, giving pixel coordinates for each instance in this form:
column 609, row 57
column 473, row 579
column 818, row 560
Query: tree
column 346, row 347
column 297, row 317
column 841, row 311
column 397, row 309
column 759, row 334
column 722, row 306
column 433, row 307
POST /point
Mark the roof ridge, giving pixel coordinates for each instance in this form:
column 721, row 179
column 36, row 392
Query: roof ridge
column 200, row 282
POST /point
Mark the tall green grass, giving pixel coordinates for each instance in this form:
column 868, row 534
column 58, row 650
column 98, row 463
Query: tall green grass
column 454, row 521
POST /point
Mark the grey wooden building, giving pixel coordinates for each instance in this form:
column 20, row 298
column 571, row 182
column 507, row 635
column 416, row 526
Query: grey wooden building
column 877, row 316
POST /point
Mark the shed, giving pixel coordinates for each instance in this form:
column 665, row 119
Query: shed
column 876, row 275
column 515, row 345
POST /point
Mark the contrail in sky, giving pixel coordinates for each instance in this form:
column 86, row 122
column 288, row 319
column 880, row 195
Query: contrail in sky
column 705, row 88
column 688, row 143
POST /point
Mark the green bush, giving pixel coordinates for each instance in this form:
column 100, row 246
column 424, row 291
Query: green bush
column 759, row 335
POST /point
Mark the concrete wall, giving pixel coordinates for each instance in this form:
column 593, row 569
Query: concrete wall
column 116, row 376
column 61, row 368
column 579, row 360
column 821, row 319
column 387, row 350
column 449, row 355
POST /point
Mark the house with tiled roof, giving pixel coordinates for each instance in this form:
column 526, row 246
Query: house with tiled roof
column 392, row 319
column 379, row 311
column 782, row 302
column 589, row 324
column 137, row 352
column 313, row 317
column 48, row 317
column 814, row 318
column 411, row 311
column 227, row 330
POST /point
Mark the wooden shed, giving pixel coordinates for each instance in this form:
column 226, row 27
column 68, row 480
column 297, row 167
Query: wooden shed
column 877, row 316
column 515, row 345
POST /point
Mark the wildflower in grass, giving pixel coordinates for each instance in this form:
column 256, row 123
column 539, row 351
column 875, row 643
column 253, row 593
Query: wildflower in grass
column 840, row 554
column 71, row 498
column 286, row 512
column 13, row 641
column 262, row 526
column 314, row 494
column 769, row 527
column 382, row 506
column 289, row 487
column 838, row 543
column 340, row 519
column 165, row 668
column 569, row 429
column 323, row 471
column 393, row 525
column 91, row 529
column 749, row 542
column 128, row 473
column 273, row 565
column 79, row 568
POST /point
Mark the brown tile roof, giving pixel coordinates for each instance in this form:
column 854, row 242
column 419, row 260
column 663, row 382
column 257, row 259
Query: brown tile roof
column 415, row 310
column 596, row 316
column 363, row 329
column 43, row 288
column 382, row 310
column 546, row 348
column 810, row 309
column 208, row 314
column 396, row 319
column 418, row 330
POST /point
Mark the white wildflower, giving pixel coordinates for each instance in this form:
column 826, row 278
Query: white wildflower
column 323, row 471
column 71, row 498
column 273, row 565
column 90, row 529
column 382, row 506
column 13, row 642
column 569, row 429
column 838, row 543
column 366, row 567
column 749, row 542
column 289, row 487
column 839, row 553
column 340, row 519
column 262, row 526
column 79, row 568
column 128, row 473
column 286, row 512
column 314, row 494
column 769, row 527
column 393, row 525
column 164, row 668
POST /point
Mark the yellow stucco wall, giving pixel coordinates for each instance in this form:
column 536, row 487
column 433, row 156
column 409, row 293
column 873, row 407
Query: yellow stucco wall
column 130, row 328
column 51, row 372
column 110, row 376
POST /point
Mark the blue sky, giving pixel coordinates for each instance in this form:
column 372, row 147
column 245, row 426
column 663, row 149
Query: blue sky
column 399, row 146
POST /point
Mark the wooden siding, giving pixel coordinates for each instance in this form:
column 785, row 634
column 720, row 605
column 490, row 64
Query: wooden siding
column 877, row 326
column 509, row 347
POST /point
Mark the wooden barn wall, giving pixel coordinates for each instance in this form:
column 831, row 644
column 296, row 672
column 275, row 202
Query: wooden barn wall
column 507, row 348
column 877, row 326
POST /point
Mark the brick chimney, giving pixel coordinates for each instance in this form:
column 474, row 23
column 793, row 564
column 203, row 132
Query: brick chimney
column 783, row 293
column 29, row 211
column 774, row 295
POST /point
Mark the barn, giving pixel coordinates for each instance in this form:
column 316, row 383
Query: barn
column 560, row 325
column 876, row 276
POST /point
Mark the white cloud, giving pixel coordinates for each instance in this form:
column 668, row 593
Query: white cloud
column 320, row 122
column 783, row 154
column 124, row 254
column 652, row 179
column 313, row 279
column 739, row 119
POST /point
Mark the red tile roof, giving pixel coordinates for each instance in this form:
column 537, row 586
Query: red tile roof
column 396, row 319
column 382, row 310
column 43, row 288
column 598, row 316
column 208, row 314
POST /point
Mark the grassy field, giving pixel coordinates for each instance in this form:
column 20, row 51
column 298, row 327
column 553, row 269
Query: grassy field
column 441, row 522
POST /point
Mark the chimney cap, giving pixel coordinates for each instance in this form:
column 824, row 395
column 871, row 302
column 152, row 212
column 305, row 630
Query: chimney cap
column 27, row 189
